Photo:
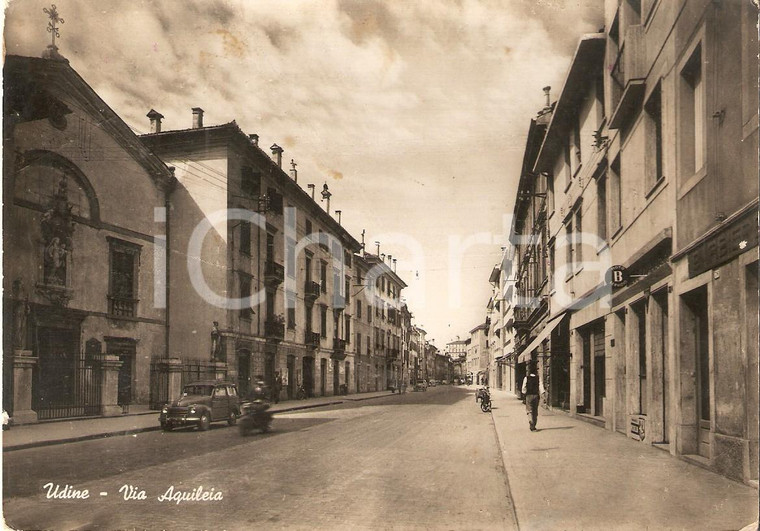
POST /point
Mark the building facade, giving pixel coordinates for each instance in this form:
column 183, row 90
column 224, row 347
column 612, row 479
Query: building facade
column 84, row 254
column 650, row 198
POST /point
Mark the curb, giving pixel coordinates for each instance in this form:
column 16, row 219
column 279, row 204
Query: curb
column 105, row 435
column 118, row 433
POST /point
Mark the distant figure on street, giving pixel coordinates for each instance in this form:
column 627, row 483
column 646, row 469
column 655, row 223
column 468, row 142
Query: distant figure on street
column 532, row 388
column 277, row 387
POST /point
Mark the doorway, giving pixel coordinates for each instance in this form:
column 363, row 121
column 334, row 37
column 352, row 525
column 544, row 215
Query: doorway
column 599, row 370
column 640, row 342
column 126, row 350
column 323, row 377
column 660, row 353
column 336, row 377
column 244, row 372
column 291, row 376
column 308, row 375
column 696, row 354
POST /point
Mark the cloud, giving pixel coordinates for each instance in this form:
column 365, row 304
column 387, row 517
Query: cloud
column 401, row 96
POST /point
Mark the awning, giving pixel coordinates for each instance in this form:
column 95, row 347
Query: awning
column 550, row 325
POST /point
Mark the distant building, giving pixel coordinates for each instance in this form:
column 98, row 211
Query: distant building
column 477, row 354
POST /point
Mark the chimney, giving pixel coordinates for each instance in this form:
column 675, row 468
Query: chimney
column 155, row 121
column 254, row 138
column 390, row 259
column 547, row 90
column 197, row 117
column 277, row 154
column 293, row 170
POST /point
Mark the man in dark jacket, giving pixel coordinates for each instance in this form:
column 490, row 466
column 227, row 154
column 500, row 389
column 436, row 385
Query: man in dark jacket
column 532, row 388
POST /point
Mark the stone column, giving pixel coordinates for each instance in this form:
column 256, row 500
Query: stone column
column 173, row 368
column 108, row 372
column 23, row 364
column 220, row 370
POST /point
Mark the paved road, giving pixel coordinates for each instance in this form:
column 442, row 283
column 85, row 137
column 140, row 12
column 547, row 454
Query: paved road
column 422, row 460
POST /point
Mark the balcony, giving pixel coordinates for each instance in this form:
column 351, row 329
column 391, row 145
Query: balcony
column 312, row 339
column 274, row 329
column 339, row 349
column 274, row 273
column 522, row 314
column 629, row 72
column 311, row 291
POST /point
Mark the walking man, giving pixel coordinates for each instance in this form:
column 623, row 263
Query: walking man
column 532, row 388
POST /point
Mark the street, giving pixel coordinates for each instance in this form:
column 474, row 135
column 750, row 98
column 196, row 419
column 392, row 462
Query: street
column 419, row 460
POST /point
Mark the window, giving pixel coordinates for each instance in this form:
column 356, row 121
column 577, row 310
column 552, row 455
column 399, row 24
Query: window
column 323, row 276
column 270, row 294
column 245, row 237
column 124, row 260
column 358, row 309
column 567, row 163
column 653, row 108
column 552, row 266
column 347, row 258
column 245, row 291
column 614, row 197
column 250, row 182
column 369, row 346
column 569, row 247
column 275, row 201
column 323, row 321
column 578, row 243
column 291, row 311
column 307, row 266
column 291, row 260
column 358, row 343
column 309, row 318
column 691, row 117
column 575, row 145
column 369, row 314
column 348, row 291
column 348, row 328
column 308, row 228
column 550, row 192
column 601, row 207
column 270, row 247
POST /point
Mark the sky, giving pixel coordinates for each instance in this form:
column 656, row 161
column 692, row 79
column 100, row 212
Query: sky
column 414, row 113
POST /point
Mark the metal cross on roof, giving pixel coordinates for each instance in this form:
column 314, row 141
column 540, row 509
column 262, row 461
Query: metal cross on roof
column 52, row 13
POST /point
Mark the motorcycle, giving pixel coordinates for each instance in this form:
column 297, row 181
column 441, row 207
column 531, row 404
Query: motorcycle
column 484, row 395
column 254, row 415
column 301, row 392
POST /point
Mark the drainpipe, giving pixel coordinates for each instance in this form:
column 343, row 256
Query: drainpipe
column 171, row 186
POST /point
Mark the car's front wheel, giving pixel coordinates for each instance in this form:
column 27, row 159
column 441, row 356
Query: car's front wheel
column 232, row 419
column 205, row 422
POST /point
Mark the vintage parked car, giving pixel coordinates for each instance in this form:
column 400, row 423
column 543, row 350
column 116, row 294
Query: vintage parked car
column 421, row 385
column 202, row 403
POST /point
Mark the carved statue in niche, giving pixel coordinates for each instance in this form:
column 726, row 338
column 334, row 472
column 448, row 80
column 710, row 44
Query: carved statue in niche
column 57, row 230
column 216, row 343
column 20, row 314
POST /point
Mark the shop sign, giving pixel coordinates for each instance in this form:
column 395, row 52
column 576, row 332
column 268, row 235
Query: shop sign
column 729, row 242
column 617, row 276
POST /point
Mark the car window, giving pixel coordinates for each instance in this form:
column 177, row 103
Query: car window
column 203, row 390
column 220, row 392
column 232, row 390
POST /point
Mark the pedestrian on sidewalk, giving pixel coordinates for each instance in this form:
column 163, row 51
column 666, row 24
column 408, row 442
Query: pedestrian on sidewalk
column 532, row 388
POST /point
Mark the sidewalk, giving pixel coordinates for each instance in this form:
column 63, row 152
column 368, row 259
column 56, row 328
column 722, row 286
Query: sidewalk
column 572, row 475
column 139, row 419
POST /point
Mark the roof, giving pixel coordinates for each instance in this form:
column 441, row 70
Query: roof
column 26, row 76
column 587, row 61
column 376, row 260
column 483, row 326
column 231, row 133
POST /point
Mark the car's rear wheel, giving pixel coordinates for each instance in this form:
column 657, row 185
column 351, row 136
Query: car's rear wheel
column 205, row 422
column 232, row 419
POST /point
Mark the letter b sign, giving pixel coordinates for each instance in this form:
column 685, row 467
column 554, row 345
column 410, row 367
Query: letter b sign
column 617, row 276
